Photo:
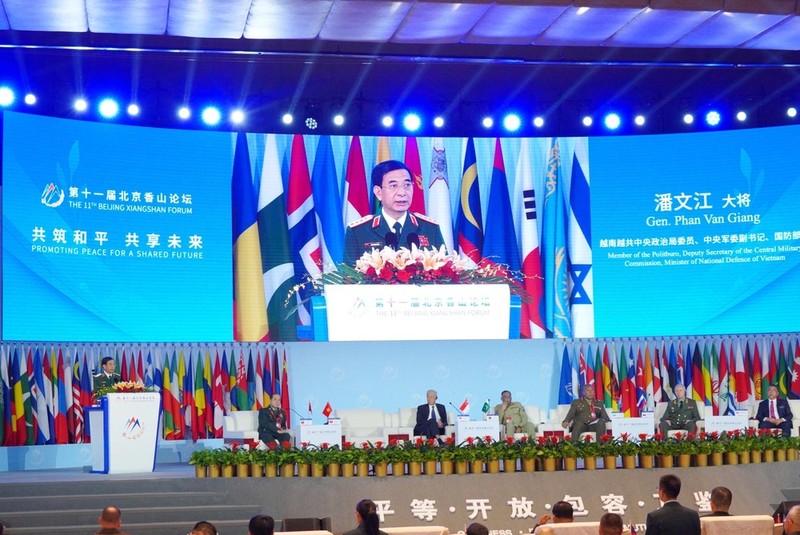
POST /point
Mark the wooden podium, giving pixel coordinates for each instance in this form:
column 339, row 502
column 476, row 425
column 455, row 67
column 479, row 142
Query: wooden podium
column 124, row 430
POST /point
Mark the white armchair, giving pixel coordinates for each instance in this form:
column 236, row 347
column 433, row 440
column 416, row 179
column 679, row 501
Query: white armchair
column 240, row 426
column 365, row 425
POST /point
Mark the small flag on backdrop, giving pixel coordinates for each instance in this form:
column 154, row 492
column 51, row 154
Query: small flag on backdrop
column 464, row 407
column 327, row 410
column 485, row 407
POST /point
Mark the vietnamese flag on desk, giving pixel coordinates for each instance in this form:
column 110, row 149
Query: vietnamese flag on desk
column 328, row 410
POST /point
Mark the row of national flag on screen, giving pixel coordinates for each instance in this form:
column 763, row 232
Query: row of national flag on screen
column 282, row 237
column 724, row 374
column 45, row 389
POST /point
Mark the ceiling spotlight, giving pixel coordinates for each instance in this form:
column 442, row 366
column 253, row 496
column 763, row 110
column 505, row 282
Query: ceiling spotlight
column 639, row 120
column 338, row 119
column 791, row 112
column 713, row 118
column 6, row 96
column 30, row 99
column 211, row 116
column 80, row 104
column 688, row 118
column 741, row 116
column 133, row 110
column 512, row 122
column 287, row 118
column 184, row 112
column 612, row 121
column 487, row 122
column 587, row 121
column 108, row 108
column 412, row 122
column 387, row 121
column 237, row 116
column 438, row 122
column 538, row 122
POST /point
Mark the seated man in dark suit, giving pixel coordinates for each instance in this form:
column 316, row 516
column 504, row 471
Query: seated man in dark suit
column 672, row 518
column 272, row 422
column 431, row 417
column 586, row 415
column 721, row 498
column 774, row 413
column 393, row 226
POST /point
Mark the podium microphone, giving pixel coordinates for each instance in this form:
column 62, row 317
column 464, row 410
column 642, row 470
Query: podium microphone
column 390, row 239
column 456, row 408
column 412, row 239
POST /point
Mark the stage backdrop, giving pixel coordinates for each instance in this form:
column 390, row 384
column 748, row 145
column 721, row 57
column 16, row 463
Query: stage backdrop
column 121, row 233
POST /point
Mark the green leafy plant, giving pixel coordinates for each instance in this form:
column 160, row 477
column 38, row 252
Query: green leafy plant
column 202, row 457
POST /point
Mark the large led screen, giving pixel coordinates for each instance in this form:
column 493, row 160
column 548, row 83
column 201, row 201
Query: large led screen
column 121, row 233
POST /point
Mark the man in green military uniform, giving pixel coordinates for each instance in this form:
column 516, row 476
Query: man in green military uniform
column 681, row 413
column 107, row 377
column 512, row 416
column 393, row 225
column 586, row 415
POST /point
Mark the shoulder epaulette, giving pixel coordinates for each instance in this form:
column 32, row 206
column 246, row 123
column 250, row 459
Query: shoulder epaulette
column 361, row 221
column 425, row 218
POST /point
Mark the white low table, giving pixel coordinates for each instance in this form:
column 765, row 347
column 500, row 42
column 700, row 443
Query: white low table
column 317, row 434
column 466, row 428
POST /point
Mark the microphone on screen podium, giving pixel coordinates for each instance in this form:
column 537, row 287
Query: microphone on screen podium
column 390, row 239
column 413, row 239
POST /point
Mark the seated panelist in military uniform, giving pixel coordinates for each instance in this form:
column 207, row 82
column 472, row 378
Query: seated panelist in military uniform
column 393, row 226
column 586, row 415
column 681, row 413
column 512, row 415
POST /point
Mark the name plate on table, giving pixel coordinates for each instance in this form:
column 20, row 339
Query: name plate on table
column 315, row 435
column 478, row 429
column 411, row 312
column 726, row 423
column 633, row 427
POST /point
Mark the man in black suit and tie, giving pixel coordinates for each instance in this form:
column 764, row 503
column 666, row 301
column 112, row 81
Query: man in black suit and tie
column 672, row 518
column 431, row 417
column 774, row 412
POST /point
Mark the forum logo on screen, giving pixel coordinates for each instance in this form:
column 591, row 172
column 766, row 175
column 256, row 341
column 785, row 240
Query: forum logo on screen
column 133, row 429
column 52, row 196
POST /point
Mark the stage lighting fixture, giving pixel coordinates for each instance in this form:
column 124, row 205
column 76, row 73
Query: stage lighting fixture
column 237, row 116
column 287, row 118
column 211, row 116
column 713, row 118
column 538, row 122
column 108, row 108
column 639, row 120
column 6, row 96
column 80, row 104
column 133, row 110
column 688, row 118
column 412, row 122
column 338, row 119
column 311, row 123
column 612, row 121
column 741, row 116
column 512, row 122
column 387, row 121
column 587, row 121
column 791, row 112
column 184, row 112
column 438, row 122
column 487, row 122
column 30, row 99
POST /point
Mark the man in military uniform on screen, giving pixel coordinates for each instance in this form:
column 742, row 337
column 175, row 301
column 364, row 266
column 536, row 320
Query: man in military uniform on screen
column 106, row 377
column 393, row 226
column 681, row 413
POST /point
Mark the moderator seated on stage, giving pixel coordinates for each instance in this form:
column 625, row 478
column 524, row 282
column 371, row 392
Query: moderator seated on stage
column 431, row 417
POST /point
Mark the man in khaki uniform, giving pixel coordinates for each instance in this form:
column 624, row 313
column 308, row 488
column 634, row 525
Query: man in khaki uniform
column 512, row 416
column 681, row 413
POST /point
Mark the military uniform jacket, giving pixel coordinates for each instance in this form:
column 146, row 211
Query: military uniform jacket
column 679, row 416
column 515, row 411
column 101, row 380
column 370, row 232
column 581, row 411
